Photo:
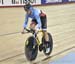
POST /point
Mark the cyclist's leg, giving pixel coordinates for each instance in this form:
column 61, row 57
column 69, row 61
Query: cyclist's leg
column 44, row 27
column 33, row 24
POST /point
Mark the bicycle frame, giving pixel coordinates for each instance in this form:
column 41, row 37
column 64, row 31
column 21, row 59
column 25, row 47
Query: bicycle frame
column 35, row 35
column 37, row 39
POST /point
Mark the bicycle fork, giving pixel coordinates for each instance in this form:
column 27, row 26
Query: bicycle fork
column 36, row 40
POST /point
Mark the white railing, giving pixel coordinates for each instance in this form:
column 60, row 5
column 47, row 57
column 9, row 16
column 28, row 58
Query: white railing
column 18, row 2
column 34, row 2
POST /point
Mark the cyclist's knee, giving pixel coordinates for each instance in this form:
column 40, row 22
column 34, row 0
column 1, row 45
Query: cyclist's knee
column 46, row 35
column 32, row 25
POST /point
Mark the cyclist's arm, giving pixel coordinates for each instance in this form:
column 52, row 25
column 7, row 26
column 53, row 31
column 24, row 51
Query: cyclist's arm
column 26, row 21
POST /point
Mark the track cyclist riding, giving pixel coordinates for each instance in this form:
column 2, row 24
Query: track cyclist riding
column 39, row 22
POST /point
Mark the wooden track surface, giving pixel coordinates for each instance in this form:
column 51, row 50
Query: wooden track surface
column 61, row 24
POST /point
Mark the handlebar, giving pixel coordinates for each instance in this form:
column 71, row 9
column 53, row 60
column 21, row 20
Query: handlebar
column 32, row 31
column 28, row 30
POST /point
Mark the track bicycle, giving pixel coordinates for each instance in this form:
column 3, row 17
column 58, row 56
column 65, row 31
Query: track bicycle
column 32, row 45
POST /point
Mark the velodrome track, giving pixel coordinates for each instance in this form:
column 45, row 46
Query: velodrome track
column 61, row 24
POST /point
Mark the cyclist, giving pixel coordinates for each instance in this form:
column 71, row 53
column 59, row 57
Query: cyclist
column 39, row 20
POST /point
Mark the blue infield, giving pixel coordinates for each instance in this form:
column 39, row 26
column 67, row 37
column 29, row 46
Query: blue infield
column 68, row 59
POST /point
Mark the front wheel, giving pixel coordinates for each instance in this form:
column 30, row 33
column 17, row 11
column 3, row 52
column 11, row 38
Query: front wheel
column 47, row 47
column 31, row 50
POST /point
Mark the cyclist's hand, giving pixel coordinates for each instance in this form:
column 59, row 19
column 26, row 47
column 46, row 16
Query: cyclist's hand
column 23, row 31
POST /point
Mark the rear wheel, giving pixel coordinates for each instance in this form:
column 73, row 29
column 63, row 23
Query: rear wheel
column 47, row 46
column 31, row 50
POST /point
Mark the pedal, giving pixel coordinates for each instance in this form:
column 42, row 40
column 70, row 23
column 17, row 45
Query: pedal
column 33, row 47
column 47, row 50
